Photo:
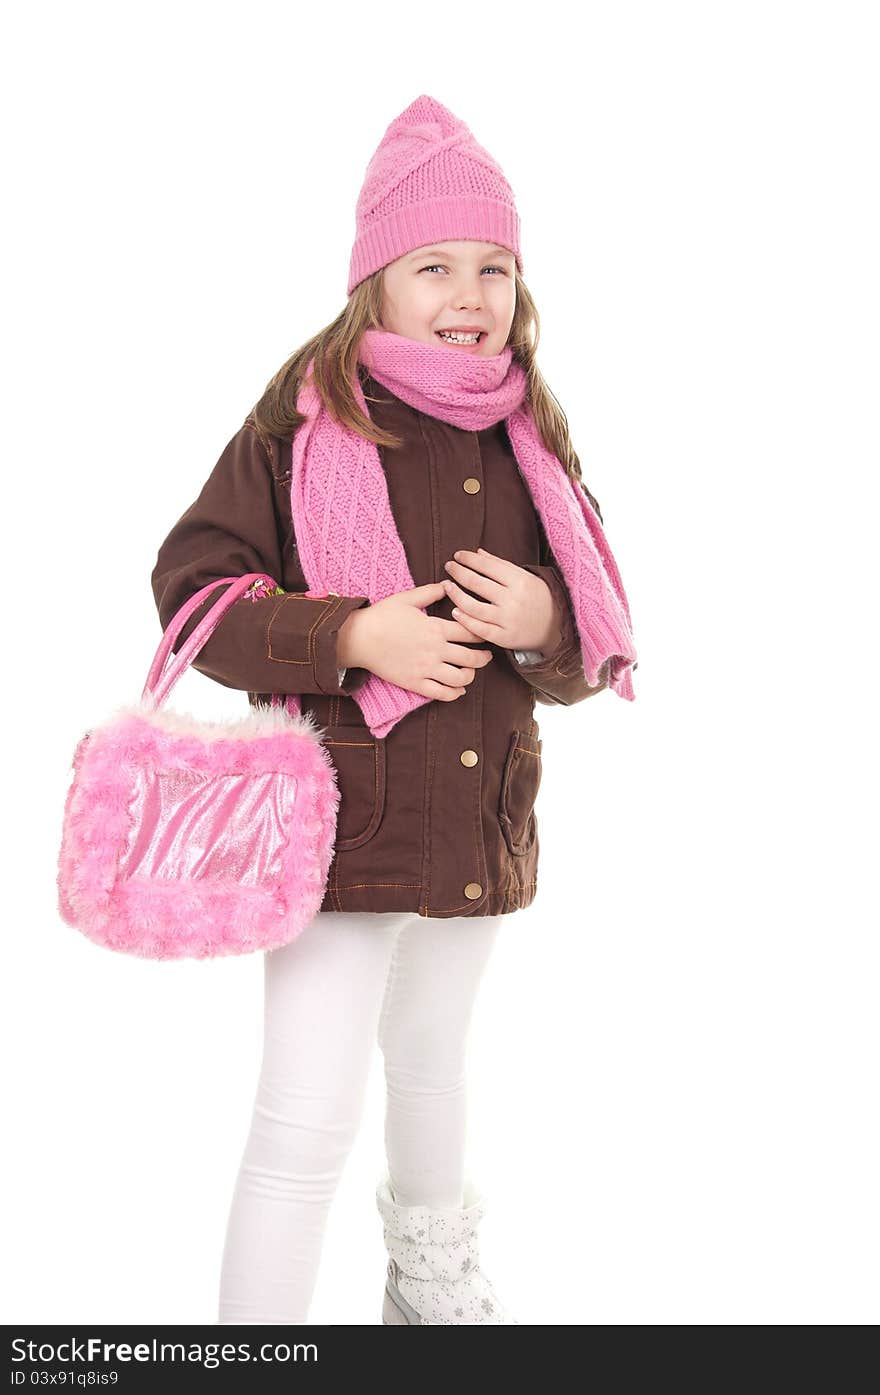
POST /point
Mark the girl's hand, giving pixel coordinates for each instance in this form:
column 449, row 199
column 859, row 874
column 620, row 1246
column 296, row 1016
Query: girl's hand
column 518, row 610
column 395, row 639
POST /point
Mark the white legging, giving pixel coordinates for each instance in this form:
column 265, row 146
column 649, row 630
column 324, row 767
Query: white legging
column 347, row 980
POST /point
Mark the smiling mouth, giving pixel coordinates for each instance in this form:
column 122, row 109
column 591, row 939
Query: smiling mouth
column 467, row 343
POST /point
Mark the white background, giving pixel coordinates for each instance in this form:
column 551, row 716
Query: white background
column 673, row 1065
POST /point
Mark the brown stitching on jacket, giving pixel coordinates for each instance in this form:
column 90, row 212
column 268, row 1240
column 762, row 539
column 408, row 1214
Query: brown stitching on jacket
column 426, row 820
column 334, row 882
column 328, row 741
column 269, row 448
column 432, row 477
column 289, row 595
column 356, row 886
column 265, row 443
column 313, row 642
column 568, row 672
column 334, row 890
column 508, row 891
column 493, row 891
column 526, row 751
column 477, row 828
column 477, row 785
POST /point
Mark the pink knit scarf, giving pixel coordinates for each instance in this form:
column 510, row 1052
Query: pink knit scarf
column 346, row 533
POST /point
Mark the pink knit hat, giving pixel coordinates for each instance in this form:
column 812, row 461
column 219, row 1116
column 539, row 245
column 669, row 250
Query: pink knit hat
column 429, row 181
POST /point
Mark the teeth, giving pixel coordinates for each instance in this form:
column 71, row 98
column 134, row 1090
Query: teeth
column 458, row 338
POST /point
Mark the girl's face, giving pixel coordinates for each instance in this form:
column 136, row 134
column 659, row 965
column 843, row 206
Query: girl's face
column 452, row 285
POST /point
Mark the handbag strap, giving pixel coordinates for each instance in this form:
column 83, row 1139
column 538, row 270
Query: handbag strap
column 166, row 667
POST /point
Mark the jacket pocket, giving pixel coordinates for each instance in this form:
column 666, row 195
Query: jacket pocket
column 360, row 769
column 520, row 780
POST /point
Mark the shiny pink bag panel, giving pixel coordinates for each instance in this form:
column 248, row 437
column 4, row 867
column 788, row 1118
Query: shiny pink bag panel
column 188, row 839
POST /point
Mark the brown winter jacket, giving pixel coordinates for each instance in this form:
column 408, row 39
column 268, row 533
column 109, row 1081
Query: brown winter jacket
column 437, row 818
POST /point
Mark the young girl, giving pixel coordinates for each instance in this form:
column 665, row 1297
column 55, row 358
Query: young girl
column 432, row 569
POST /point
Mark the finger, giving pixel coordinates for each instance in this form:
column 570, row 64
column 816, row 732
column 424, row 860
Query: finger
column 482, row 561
column 461, row 654
column 475, row 581
column 443, row 692
column 470, row 636
column 425, row 595
column 471, row 605
column 498, row 568
column 455, row 673
column 457, row 632
column 479, row 616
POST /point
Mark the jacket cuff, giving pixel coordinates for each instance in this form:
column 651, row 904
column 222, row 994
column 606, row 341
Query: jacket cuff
column 350, row 679
column 557, row 677
column 569, row 640
column 303, row 632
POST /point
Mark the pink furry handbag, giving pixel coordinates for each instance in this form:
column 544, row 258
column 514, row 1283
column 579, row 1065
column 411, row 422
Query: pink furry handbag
column 188, row 839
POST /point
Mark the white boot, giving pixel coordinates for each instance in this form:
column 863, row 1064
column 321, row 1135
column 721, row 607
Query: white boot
column 433, row 1274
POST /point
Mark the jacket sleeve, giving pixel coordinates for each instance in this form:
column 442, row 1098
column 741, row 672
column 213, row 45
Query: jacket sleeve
column 271, row 641
column 558, row 678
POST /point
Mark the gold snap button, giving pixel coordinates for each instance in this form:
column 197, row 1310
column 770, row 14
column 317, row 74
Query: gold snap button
column 473, row 890
column 471, row 486
column 469, row 758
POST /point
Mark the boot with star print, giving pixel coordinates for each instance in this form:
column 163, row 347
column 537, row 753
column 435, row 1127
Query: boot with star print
column 433, row 1275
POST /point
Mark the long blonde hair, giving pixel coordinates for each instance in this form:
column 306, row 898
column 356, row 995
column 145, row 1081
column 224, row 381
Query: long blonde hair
column 335, row 353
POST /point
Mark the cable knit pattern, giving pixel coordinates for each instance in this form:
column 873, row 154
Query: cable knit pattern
column 346, row 533
column 429, row 180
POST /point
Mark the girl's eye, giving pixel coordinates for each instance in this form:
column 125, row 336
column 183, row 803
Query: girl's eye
column 436, row 265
